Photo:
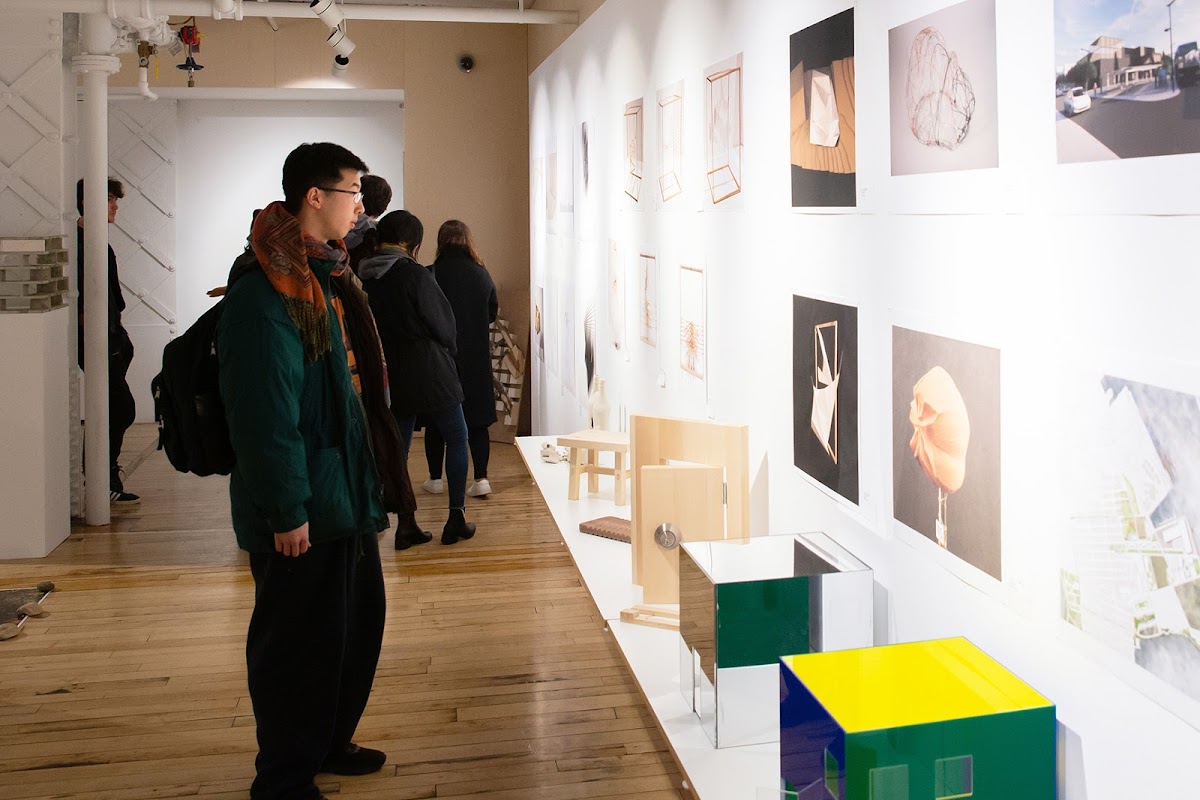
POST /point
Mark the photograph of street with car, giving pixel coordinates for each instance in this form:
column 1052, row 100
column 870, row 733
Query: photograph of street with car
column 1128, row 79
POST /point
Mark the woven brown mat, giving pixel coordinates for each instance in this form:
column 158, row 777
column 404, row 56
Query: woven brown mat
column 12, row 599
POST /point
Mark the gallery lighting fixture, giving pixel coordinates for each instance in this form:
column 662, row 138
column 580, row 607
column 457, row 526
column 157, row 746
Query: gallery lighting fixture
column 328, row 12
column 340, row 42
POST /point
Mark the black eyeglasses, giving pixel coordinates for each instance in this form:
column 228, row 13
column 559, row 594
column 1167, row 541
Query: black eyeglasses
column 357, row 195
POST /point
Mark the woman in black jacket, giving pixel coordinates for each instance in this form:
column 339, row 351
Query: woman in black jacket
column 419, row 336
column 472, row 294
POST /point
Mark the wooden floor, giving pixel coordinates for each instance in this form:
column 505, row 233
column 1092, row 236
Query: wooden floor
column 496, row 679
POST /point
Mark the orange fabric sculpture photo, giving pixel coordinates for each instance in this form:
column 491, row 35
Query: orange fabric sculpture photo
column 941, row 429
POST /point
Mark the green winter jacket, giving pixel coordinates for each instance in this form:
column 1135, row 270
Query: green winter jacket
column 297, row 429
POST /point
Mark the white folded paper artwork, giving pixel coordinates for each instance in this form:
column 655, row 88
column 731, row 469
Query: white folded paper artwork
column 825, row 387
column 824, row 129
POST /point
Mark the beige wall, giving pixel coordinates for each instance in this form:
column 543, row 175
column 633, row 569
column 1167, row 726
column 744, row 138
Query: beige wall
column 476, row 128
column 466, row 135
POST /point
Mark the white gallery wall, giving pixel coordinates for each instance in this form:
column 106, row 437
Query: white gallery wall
column 231, row 162
column 1072, row 271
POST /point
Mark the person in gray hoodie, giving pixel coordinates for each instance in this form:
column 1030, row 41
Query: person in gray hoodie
column 419, row 335
column 363, row 239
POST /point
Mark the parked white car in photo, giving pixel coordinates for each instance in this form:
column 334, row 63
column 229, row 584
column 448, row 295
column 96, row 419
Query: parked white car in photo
column 1077, row 100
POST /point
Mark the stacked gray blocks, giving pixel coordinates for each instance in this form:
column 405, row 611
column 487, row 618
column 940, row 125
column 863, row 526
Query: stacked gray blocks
column 32, row 273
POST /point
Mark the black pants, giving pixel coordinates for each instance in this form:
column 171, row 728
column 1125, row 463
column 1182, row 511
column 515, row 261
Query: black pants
column 121, row 412
column 477, row 440
column 311, row 655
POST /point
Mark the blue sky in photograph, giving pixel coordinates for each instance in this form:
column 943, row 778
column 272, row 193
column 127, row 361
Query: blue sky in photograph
column 1137, row 23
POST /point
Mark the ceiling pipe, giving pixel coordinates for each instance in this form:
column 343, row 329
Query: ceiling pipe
column 285, row 10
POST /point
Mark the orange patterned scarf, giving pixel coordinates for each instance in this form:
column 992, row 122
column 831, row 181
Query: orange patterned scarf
column 283, row 250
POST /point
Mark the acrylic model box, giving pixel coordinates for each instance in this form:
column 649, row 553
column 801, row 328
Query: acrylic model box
column 925, row 721
column 745, row 603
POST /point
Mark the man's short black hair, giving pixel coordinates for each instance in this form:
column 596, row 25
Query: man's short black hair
column 115, row 188
column 377, row 194
column 318, row 164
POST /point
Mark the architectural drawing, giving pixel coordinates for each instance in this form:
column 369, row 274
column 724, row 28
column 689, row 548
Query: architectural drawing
column 693, row 327
column 670, row 141
column 723, row 123
column 634, row 158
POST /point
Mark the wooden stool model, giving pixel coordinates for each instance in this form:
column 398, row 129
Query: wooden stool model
column 591, row 442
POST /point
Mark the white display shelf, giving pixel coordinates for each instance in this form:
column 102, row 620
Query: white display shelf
column 652, row 654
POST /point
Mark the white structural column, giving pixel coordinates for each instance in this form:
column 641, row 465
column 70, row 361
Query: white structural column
column 96, row 64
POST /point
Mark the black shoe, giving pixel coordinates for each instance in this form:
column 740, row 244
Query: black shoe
column 354, row 760
column 457, row 527
column 118, row 497
column 408, row 532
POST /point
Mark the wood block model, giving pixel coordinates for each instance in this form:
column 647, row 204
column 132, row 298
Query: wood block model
column 584, row 446
column 614, row 528
column 706, row 497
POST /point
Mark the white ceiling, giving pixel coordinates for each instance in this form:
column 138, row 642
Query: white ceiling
column 504, row 5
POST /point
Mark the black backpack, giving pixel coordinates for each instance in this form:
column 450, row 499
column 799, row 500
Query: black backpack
column 187, row 401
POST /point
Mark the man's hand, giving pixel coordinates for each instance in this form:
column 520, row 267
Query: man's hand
column 293, row 543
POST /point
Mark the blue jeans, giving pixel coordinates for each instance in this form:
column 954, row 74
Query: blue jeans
column 453, row 427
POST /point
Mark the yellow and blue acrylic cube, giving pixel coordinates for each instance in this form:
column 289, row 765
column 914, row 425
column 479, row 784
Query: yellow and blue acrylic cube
column 936, row 720
column 743, row 604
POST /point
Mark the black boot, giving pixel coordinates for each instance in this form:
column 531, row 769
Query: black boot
column 353, row 760
column 408, row 532
column 457, row 527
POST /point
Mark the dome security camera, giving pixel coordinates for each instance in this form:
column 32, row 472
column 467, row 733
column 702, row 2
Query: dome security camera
column 466, row 62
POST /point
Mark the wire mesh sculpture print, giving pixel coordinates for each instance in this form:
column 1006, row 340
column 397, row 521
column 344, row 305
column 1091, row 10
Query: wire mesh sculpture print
column 940, row 99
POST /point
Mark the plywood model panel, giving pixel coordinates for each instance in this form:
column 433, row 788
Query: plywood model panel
column 657, row 441
column 688, row 497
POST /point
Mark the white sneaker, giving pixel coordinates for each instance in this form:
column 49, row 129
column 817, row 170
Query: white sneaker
column 479, row 488
column 433, row 486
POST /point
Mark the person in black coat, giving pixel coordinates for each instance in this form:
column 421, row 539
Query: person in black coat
column 416, row 326
column 122, row 409
column 472, row 294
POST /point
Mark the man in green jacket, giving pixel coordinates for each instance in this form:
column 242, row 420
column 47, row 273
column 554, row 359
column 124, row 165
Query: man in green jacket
column 305, row 494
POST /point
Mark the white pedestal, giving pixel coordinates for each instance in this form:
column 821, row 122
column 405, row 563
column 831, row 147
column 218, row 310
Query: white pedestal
column 652, row 655
column 34, row 468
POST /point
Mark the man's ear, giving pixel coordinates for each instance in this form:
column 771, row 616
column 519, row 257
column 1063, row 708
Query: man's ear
column 313, row 197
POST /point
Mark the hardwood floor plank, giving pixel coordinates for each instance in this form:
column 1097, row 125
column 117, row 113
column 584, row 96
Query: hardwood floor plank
column 497, row 678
